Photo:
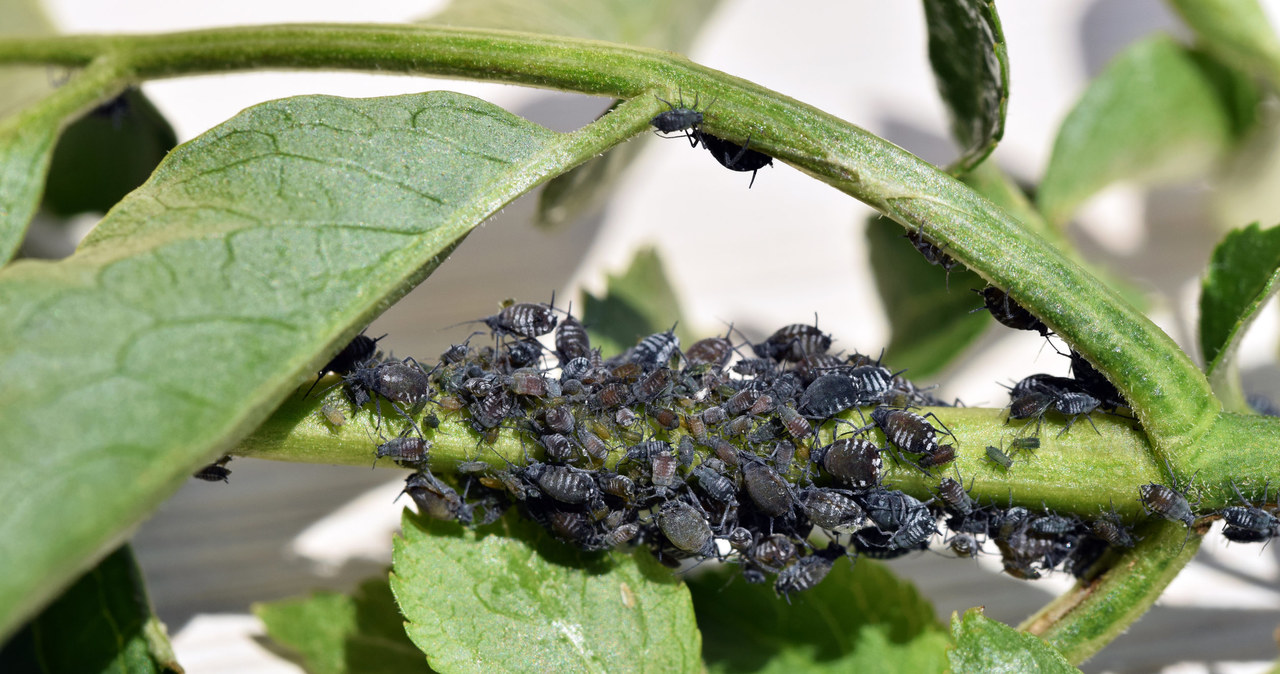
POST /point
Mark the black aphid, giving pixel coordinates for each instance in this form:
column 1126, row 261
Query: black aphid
column 909, row 432
column 656, row 350
column 686, row 528
column 216, row 471
column 932, row 253
column 435, row 498
column 855, row 462
column 793, row 342
column 356, row 354
column 1008, row 312
column 767, row 489
column 562, row 483
column 412, row 451
column 713, row 351
column 572, row 340
column 955, row 496
column 710, row 478
column 680, row 119
column 808, row 572
column 1167, row 503
column 735, row 157
column 523, row 320
column 830, row 509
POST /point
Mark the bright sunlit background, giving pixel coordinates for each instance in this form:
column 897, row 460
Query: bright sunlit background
column 761, row 258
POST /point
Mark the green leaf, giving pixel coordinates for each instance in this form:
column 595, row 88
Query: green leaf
column 861, row 618
column 971, row 64
column 106, row 154
column 335, row 633
column 203, row 299
column 102, row 623
column 985, row 646
column 1243, row 274
column 1159, row 113
column 637, row 303
column 514, row 599
column 1236, row 31
column 931, row 318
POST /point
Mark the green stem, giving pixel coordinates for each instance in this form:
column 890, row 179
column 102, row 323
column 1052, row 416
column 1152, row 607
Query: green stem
column 1093, row 613
column 1169, row 394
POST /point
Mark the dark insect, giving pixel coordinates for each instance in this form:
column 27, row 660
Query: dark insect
column 741, row 402
column 784, row 451
column 830, row 395
column 609, row 397
column 686, row 528
column 625, row 417
column 830, row 509
column 572, row 340
column 395, row 380
column 725, row 451
column 559, row 419
column 735, row 157
column 656, row 350
column 1248, row 523
column 853, row 461
column 620, row 535
column 456, row 354
column 793, row 342
column 1050, row 525
column 876, row 544
column 770, row 492
column 964, row 545
column 413, row 451
column 815, row 365
column 808, row 572
column 714, row 415
column 489, row 411
column 215, row 471
column 697, row 427
column 1110, row 529
column 1167, row 503
column 1024, row 444
column 772, row 552
column 679, row 119
column 714, row 351
column 562, row 483
column 617, row 486
column 523, row 320
column 1008, row 312
column 1095, row 383
column 931, row 253
column 652, row 386
column 355, row 354
column 738, row 427
column 524, row 352
column 575, row 369
column 435, row 498
column 796, row 425
column 666, row 418
column 1071, row 404
column 955, row 496
column 530, row 383
column 910, row 432
column 559, row 448
column 711, row 479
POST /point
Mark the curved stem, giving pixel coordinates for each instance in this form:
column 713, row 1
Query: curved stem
column 1168, row 392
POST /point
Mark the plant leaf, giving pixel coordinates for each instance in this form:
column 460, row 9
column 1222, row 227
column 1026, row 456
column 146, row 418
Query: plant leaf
column 986, row 646
column 1243, row 274
column 931, row 317
column 637, row 303
column 335, row 633
column 102, row 623
column 971, row 65
column 665, row 24
column 1159, row 113
column 106, row 154
column 861, row 618
column 203, row 299
column 1236, row 31
column 513, row 599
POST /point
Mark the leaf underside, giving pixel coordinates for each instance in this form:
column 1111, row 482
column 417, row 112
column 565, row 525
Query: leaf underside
column 986, row 646
column 971, row 65
column 206, row 295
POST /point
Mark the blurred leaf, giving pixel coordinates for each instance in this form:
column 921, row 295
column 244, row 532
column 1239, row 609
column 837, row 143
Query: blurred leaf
column 985, row 646
column 583, row 190
column 106, row 154
column 1242, row 275
column 1237, row 32
column 510, row 598
column 23, row 85
column 861, row 618
column 638, row 303
column 1159, row 113
column 201, row 301
column 971, row 65
column 102, row 623
column 337, row 633
column 662, row 24
column 930, row 317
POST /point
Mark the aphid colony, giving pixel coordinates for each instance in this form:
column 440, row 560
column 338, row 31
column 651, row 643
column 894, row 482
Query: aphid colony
column 711, row 452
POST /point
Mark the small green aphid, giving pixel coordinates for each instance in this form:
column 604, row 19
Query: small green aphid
column 332, row 414
column 996, row 455
column 1024, row 443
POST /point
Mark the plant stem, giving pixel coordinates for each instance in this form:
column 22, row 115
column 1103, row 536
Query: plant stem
column 1168, row 392
column 1093, row 613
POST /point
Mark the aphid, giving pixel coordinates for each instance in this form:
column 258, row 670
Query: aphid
column 455, row 354
column 767, row 489
column 735, row 157
column 570, row 527
column 964, row 545
column 997, row 456
column 1095, row 383
column 562, row 483
column 1022, row 444
column 413, row 451
column 686, row 528
column 830, row 395
column 397, row 381
column 620, row 535
column 773, row 552
column 944, row 454
column 656, row 350
column 215, row 471
column 955, row 496
column 793, row 343
column 618, row 486
column 333, row 415
column 815, row 365
column 450, row 403
column 876, row 544
column 890, row 509
column 662, row 470
column 523, row 320
column 435, row 498
column 1248, row 523
column 666, row 418
column 529, row 383
column 572, row 341
column 523, row 352
column 625, row 417
column 1008, row 312
column 679, row 119
column 724, row 450
column 559, row 448
column 796, row 425
column 755, row 367
column 714, row 415
column 808, row 572
column 711, row 480
column 784, row 452
column 559, row 419
column 933, row 254
column 714, row 351
column 609, row 397
column 594, row 447
column 830, row 509
column 697, row 427
column 1167, row 503
column 907, row 430
column 740, row 539
column 853, row 461
column 575, row 369
column 652, row 385
column 1110, row 529
column 763, row 405
column 738, row 427
column 1050, row 525
column 356, row 354
column 489, row 411
column 685, row 451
